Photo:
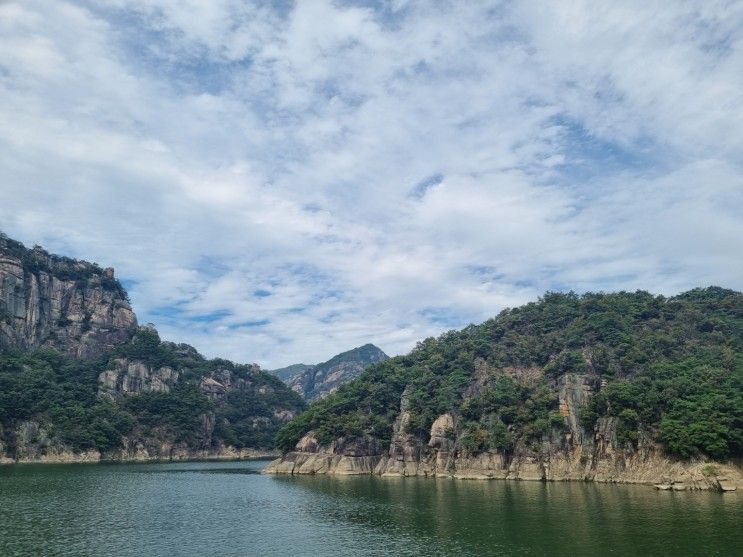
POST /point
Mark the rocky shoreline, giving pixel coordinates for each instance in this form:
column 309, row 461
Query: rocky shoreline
column 661, row 473
column 69, row 457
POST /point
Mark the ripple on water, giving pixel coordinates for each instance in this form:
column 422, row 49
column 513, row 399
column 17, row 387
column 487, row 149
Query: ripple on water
column 231, row 509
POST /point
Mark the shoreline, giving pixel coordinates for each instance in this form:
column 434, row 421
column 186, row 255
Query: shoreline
column 679, row 477
column 451, row 477
column 675, row 488
column 90, row 459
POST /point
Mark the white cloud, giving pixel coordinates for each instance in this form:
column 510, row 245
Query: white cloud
column 255, row 173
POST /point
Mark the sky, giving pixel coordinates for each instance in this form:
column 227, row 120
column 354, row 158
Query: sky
column 279, row 182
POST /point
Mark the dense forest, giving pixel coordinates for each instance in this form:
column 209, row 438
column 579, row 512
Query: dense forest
column 669, row 369
column 63, row 392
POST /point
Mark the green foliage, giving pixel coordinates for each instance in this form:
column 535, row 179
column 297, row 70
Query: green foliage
column 672, row 368
column 474, row 441
column 247, row 417
column 695, row 405
column 571, row 361
column 62, row 392
column 50, row 387
column 179, row 414
column 500, row 438
column 146, row 347
column 514, row 410
column 100, row 426
column 367, row 406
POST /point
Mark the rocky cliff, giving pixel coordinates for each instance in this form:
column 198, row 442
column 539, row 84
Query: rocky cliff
column 512, row 399
column 318, row 381
column 46, row 300
column 572, row 454
column 79, row 380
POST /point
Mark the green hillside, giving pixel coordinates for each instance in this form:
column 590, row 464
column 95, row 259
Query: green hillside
column 670, row 369
column 63, row 395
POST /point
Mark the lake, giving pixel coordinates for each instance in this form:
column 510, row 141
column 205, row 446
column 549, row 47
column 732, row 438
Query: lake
column 229, row 508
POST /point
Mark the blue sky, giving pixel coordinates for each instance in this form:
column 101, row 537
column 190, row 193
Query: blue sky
column 280, row 182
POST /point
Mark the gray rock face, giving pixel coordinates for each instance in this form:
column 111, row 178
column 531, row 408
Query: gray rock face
column 73, row 306
column 316, row 382
column 133, row 377
column 220, row 382
column 574, row 391
column 345, row 457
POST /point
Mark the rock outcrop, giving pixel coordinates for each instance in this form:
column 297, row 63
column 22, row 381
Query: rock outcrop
column 619, row 387
column 318, row 381
column 128, row 377
column 46, row 300
column 342, row 458
column 574, row 453
column 132, row 377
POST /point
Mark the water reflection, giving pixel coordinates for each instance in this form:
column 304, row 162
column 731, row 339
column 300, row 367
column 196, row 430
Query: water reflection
column 230, row 509
column 561, row 518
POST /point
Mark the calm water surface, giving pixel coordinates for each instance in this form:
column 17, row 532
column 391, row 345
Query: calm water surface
column 230, row 509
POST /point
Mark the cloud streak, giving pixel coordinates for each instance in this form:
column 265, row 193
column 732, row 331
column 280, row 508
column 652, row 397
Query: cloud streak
column 281, row 184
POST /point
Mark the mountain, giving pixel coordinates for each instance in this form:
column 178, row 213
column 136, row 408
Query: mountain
column 625, row 387
column 288, row 373
column 318, row 381
column 79, row 379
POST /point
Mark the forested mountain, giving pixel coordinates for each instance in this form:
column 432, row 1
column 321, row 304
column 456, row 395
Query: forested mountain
column 80, row 380
column 318, row 381
column 613, row 387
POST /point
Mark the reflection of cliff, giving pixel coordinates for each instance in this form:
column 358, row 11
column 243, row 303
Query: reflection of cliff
column 510, row 518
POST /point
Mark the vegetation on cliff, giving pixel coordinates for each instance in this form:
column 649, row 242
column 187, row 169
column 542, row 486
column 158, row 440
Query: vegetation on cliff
column 289, row 372
column 62, row 393
column 670, row 370
column 77, row 373
column 38, row 260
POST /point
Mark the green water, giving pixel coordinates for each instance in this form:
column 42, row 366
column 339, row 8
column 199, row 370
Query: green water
column 230, row 509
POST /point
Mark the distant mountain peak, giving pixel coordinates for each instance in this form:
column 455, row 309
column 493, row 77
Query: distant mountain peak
column 317, row 381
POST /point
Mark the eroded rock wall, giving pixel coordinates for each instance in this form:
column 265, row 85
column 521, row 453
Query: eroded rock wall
column 73, row 306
